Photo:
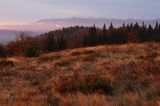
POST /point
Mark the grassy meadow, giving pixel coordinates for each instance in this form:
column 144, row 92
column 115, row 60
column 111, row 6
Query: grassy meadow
column 110, row 75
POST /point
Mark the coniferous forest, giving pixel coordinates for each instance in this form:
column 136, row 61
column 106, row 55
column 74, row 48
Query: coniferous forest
column 79, row 36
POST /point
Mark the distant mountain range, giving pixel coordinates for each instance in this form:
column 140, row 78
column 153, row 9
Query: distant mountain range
column 8, row 32
column 91, row 21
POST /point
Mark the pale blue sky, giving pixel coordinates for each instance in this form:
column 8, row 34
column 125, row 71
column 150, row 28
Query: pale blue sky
column 33, row 10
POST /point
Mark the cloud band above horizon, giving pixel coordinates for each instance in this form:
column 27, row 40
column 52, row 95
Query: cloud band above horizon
column 33, row 10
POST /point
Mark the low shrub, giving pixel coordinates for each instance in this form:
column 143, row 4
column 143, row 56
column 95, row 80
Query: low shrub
column 76, row 53
column 52, row 100
column 4, row 63
column 85, row 52
column 31, row 52
column 63, row 63
column 88, row 58
column 50, row 58
column 85, row 84
column 88, row 52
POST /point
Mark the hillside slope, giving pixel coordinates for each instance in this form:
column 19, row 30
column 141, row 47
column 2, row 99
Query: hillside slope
column 95, row 76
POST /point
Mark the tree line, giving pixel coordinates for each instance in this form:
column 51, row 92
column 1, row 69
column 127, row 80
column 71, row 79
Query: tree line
column 79, row 36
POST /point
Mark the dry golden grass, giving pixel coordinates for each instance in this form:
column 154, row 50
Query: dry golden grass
column 111, row 75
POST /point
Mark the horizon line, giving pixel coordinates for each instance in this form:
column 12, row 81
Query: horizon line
column 38, row 20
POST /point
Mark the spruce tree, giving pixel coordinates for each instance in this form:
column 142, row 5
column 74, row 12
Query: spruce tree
column 50, row 43
column 111, row 26
column 104, row 34
column 92, row 36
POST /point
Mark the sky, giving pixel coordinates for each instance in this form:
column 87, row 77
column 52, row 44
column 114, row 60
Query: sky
column 20, row 11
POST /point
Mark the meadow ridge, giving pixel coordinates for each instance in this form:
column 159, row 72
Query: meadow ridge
column 109, row 75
